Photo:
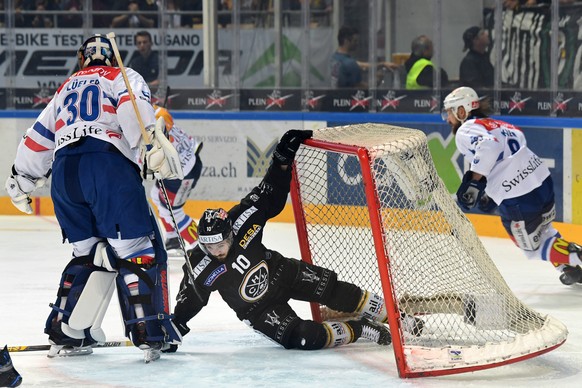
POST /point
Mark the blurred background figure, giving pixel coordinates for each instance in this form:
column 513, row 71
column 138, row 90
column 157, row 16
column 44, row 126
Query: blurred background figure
column 476, row 69
column 419, row 67
column 178, row 190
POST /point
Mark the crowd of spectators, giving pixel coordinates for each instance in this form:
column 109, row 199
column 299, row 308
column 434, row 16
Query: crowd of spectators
column 144, row 13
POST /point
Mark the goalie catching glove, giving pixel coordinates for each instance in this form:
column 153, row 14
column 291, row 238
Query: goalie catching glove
column 289, row 144
column 19, row 188
column 471, row 191
column 160, row 158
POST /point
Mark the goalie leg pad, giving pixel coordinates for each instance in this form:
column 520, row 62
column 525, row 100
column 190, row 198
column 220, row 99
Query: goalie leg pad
column 144, row 302
column 93, row 301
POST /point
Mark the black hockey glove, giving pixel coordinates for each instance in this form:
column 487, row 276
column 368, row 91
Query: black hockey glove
column 471, row 191
column 289, row 144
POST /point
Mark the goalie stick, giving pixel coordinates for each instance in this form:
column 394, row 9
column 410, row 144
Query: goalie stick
column 35, row 348
column 144, row 134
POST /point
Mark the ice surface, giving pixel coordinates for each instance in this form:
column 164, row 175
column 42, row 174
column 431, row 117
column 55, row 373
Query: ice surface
column 221, row 351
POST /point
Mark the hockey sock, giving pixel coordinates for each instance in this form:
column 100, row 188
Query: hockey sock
column 340, row 333
column 372, row 306
column 9, row 377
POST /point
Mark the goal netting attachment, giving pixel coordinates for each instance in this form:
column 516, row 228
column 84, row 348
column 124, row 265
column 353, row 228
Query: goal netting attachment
column 369, row 204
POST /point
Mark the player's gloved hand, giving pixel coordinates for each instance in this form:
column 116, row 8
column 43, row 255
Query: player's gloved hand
column 19, row 188
column 486, row 204
column 289, row 144
column 160, row 158
column 470, row 192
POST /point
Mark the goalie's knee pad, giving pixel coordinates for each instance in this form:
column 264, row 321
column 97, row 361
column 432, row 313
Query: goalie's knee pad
column 144, row 302
column 82, row 299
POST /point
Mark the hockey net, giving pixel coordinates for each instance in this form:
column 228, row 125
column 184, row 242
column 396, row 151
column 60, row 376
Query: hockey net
column 369, row 204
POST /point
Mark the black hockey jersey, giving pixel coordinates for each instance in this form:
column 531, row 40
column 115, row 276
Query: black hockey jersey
column 245, row 279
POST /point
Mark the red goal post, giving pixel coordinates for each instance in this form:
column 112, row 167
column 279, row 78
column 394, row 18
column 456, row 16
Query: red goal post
column 369, row 204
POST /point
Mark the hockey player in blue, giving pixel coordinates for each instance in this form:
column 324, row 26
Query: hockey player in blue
column 89, row 135
column 505, row 172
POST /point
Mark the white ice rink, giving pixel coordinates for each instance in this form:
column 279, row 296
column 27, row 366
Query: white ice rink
column 221, row 351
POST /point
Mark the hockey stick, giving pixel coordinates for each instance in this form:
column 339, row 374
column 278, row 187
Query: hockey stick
column 144, row 134
column 35, row 348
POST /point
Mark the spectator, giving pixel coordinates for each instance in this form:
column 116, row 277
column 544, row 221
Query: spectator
column 73, row 18
column 345, row 71
column 192, row 19
column 42, row 20
column 133, row 18
column 419, row 67
column 146, row 61
column 476, row 69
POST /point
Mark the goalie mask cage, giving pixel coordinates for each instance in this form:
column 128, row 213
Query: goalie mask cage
column 369, row 204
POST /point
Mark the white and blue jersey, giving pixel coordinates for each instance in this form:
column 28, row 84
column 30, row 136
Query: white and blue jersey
column 498, row 150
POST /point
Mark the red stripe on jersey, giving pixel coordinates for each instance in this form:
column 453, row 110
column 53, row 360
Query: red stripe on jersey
column 109, row 109
column 491, row 124
column 34, row 145
column 123, row 99
column 59, row 124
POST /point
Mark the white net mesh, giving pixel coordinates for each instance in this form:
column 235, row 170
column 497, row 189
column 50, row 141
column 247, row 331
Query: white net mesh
column 438, row 267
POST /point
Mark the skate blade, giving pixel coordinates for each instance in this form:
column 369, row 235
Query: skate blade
column 68, row 351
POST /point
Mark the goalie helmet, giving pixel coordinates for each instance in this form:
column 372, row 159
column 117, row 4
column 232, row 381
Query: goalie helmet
column 214, row 226
column 97, row 50
column 463, row 96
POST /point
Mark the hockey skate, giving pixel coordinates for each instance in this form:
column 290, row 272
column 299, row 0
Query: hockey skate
column 373, row 331
column 571, row 275
column 68, row 351
column 412, row 325
column 9, row 377
column 151, row 350
column 65, row 346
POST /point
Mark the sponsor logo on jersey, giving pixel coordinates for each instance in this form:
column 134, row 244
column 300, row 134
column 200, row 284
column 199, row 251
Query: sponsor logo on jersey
column 238, row 223
column 200, row 266
column 309, row 276
column 249, row 235
column 214, row 275
column 522, row 174
column 77, row 133
column 272, row 318
column 256, row 283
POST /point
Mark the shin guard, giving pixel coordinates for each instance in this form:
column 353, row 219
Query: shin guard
column 144, row 302
column 82, row 299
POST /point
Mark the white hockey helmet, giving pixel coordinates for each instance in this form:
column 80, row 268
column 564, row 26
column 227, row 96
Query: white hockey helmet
column 463, row 96
column 96, row 50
